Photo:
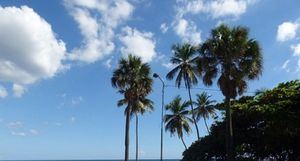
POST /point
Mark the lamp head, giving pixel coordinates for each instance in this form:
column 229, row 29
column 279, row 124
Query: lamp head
column 155, row 75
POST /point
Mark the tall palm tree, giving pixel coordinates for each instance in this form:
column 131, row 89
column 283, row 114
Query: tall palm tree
column 143, row 105
column 234, row 58
column 178, row 120
column 133, row 80
column 204, row 107
column 185, row 70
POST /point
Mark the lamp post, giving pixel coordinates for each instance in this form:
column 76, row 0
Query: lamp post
column 155, row 75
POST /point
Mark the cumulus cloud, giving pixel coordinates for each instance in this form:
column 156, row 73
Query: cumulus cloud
column 29, row 49
column 28, row 46
column 97, row 21
column 18, row 90
column 287, row 31
column 138, row 43
column 296, row 49
column 187, row 31
column 215, row 9
column 3, row 92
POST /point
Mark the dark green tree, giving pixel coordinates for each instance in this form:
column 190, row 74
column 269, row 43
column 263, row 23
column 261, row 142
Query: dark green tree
column 233, row 58
column 185, row 61
column 204, row 107
column 133, row 80
column 177, row 121
column 266, row 128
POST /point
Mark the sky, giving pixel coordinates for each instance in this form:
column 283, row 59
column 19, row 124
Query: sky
column 57, row 58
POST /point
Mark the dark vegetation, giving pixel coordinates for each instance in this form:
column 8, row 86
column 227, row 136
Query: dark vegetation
column 266, row 127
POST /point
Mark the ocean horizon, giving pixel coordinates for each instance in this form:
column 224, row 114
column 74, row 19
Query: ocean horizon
column 94, row 160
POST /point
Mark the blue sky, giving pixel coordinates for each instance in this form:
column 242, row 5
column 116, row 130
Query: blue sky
column 57, row 58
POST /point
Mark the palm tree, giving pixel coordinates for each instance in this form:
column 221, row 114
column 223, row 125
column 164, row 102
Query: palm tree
column 178, row 120
column 204, row 107
column 186, row 70
column 143, row 105
column 133, row 80
column 234, row 58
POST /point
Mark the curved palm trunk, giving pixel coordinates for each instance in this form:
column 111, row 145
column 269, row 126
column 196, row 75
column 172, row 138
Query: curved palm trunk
column 136, row 137
column 193, row 113
column 181, row 138
column 206, row 125
column 229, row 132
column 127, row 125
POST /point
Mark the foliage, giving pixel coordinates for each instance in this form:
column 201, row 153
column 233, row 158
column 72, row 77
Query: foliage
column 204, row 107
column 231, row 57
column 186, row 70
column 266, row 127
column 133, row 80
column 177, row 120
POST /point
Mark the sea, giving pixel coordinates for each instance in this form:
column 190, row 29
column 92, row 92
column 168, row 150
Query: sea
column 100, row 160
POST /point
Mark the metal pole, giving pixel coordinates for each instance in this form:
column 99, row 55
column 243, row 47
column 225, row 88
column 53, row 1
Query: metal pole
column 162, row 115
column 162, row 121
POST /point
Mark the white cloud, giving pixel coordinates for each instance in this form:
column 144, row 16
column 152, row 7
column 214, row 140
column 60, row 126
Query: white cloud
column 97, row 21
column 187, row 31
column 296, row 49
column 168, row 65
column 18, row 90
column 164, row 27
column 15, row 125
column 108, row 63
column 285, row 66
column 296, row 53
column 18, row 133
column 138, row 43
column 3, row 92
column 287, row 31
column 76, row 100
column 29, row 48
column 215, row 9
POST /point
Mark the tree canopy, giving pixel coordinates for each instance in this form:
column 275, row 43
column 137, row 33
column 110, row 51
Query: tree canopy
column 266, row 126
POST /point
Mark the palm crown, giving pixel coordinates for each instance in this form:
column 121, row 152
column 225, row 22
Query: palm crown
column 204, row 107
column 178, row 121
column 230, row 54
column 185, row 60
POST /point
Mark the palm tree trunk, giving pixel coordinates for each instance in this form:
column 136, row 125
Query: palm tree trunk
column 127, row 134
column 181, row 138
column 193, row 113
column 136, row 137
column 206, row 125
column 229, row 132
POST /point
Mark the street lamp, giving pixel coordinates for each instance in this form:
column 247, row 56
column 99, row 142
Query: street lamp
column 155, row 75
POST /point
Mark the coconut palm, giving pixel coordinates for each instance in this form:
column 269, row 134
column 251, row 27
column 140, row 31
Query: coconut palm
column 233, row 58
column 185, row 70
column 204, row 107
column 178, row 120
column 133, row 80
